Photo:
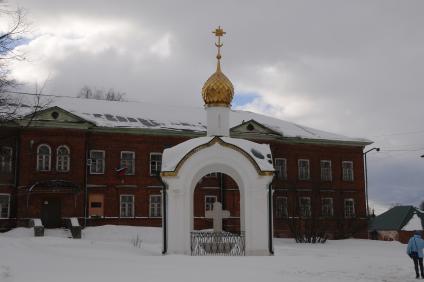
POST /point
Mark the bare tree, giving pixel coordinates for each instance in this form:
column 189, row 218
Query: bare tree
column 9, row 39
column 16, row 105
column 10, row 105
column 86, row 93
column 112, row 95
column 304, row 222
column 100, row 94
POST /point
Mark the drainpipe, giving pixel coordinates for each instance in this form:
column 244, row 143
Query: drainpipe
column 221, row 185
column 270, row 230
column 164, row 219
column 85, row 180
column 17, row 172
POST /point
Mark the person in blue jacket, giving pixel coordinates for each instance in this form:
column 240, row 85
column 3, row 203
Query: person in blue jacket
column 415, row 251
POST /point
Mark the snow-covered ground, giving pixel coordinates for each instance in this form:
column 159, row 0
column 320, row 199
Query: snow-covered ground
column 107, row 253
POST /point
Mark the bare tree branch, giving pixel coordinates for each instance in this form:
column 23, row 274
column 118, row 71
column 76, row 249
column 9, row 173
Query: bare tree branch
column 13, row 106
column 13, row 35
column 100, row 94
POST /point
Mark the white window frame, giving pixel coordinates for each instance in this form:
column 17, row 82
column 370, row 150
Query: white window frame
column 150, row 162
column 211, row 175
column 206, row 202
column 124, row 161
column 49, row 159
column 331, row 207
column 103, row 163
column 281, row 171
column 351, row 213
column 309, row 211
column 67, row 158
column 308, row 177
column 132, row 206
column 8, row 205
column 324, row 171
column 6, row 164
column 346, row 176
column 284, row 211
column 155, row 209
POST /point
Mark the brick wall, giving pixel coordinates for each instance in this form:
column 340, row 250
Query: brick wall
column 142, row 185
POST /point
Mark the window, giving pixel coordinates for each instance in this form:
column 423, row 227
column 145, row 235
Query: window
column 127, row 205
column 95, row 205
column 43, row 157
column 305, row 206
column 128, row 161
column 4, row 205
column 327, row 207
column 281, row 168
column 97, row 160
column 155, row 163
column 63, row 159
column 349, row 208
column 303, row 169
column 347, row 167
column 209, row 200
column 155, row 205
column 212, row 174
column 326, row 170
column 281, row 209
column 6, row 156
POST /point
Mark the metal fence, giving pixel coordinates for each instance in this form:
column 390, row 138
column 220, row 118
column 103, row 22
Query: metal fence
column 217, row 244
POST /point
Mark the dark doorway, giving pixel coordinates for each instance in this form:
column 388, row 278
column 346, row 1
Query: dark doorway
column 50, row 213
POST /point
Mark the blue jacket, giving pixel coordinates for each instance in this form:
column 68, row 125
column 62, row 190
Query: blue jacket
column 415, row 244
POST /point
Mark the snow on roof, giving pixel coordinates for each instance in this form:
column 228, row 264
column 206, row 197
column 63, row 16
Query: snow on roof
column 171, row 117
column 172, row 156
column 260, row 153
column 413, row 224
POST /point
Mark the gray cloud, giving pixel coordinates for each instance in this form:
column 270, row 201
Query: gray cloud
column 352, row 67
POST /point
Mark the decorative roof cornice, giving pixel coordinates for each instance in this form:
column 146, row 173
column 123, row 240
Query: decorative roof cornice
column 215, row 140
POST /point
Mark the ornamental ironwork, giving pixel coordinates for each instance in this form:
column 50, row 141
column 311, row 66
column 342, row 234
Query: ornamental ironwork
column 217, row 244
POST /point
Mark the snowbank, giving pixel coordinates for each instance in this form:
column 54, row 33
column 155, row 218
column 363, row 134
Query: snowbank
column 105, row 254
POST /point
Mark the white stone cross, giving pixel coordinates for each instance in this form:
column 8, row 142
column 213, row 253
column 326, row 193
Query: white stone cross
column 217, row 214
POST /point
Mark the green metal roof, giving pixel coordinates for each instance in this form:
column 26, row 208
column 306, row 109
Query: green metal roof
column 395, row 218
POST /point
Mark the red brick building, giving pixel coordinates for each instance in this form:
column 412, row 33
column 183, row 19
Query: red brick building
column 99, row 160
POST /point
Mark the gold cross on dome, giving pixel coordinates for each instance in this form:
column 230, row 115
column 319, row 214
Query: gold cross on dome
column 218, row 33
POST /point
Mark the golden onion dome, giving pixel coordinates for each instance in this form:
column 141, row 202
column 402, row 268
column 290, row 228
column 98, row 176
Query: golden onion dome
column 218, row 89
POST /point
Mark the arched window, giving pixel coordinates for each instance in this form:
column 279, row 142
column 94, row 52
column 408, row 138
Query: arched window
column 63, row 159
column 6, row 156
column 43, row 157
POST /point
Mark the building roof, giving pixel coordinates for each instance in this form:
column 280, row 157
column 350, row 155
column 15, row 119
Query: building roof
column 396, row 218
column 142, row 115
column 259, row 154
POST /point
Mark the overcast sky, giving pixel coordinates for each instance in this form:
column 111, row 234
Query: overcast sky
column 349, row 67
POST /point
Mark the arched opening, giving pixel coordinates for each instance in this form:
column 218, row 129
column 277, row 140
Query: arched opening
column 184, row 169
column 211, row 188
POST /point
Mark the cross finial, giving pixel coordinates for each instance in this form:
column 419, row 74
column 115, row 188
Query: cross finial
column 218, row 33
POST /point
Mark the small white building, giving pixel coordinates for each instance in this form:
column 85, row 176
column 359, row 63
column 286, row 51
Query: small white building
column 249, row 164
